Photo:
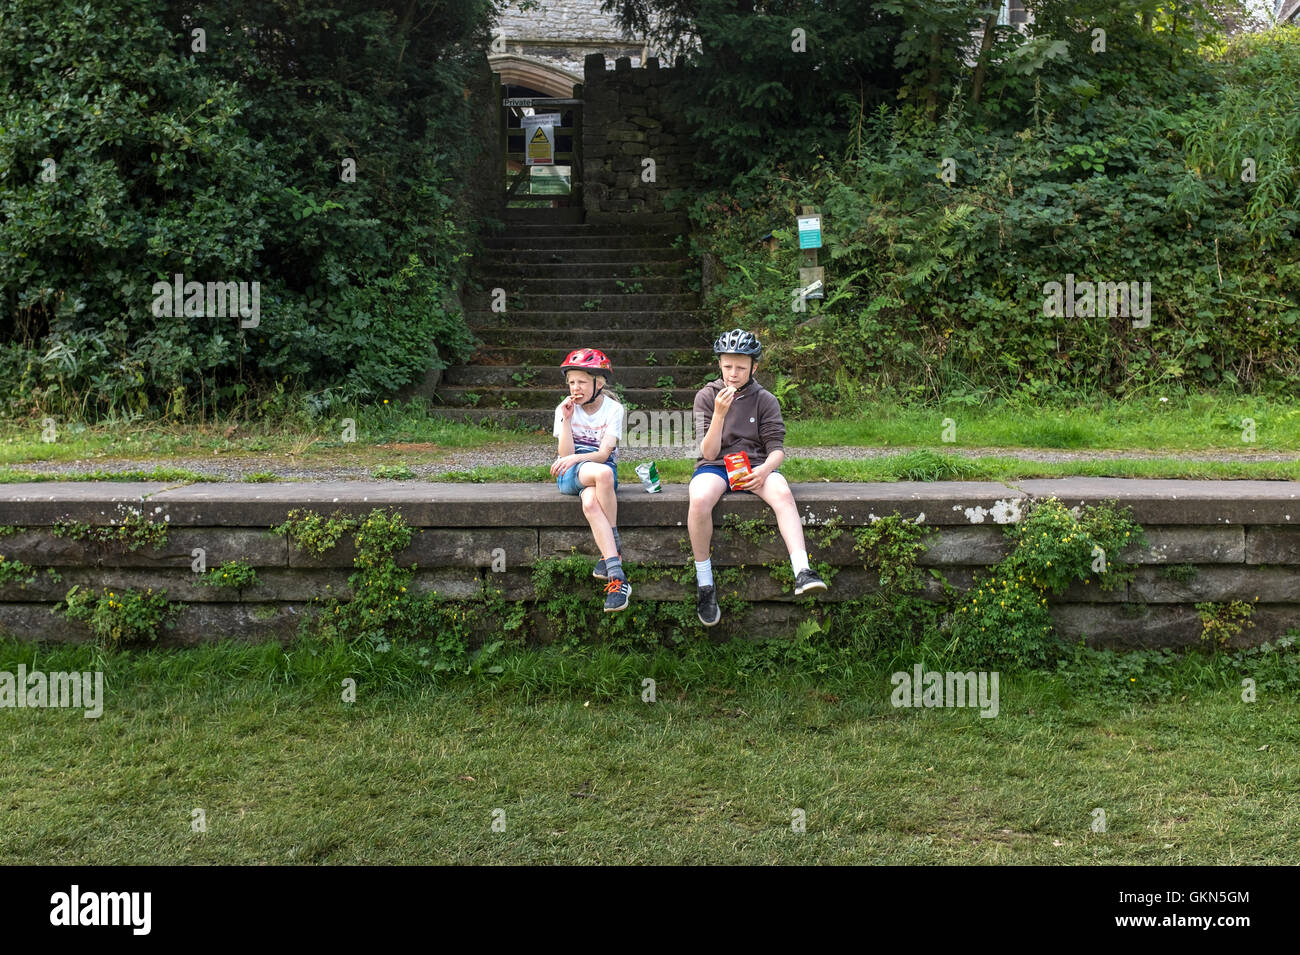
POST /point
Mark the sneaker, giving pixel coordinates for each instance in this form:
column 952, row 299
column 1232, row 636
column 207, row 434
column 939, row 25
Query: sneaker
column 599, row 571
column 808, row 580
column 706, row 606
column 617, row 592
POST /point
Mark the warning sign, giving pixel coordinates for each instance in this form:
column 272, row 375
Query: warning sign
column 539, row 138
column 539, row 148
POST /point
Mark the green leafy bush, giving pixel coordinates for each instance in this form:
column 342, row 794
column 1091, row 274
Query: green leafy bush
column 1004, row 619
column 226, row 164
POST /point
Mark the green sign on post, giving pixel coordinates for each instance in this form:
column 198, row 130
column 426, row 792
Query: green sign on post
column 810, row 232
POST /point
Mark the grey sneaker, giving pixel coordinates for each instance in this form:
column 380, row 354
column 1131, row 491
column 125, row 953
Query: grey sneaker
column 599, row 571
column 808, row 580
column 617, row 592
column 706, row 606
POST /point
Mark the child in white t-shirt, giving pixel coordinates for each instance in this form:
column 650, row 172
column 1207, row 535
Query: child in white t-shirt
column 588, row 424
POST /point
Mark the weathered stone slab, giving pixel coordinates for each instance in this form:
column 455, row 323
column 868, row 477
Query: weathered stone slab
column 193, row 625
column 542, row 505
column 1161, row 625
column 1273, row 545
column 36, row 621
column 198, row 624
column 1218, row 582
column 86, row 502
column 977, row 546
column 258, row 548
column 180, row 585
column 441, row 547
column 1206, row 544
column 1181, row 502
column 1127, row 625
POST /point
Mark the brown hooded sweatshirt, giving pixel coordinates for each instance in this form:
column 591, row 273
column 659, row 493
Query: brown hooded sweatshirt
column 754, row 423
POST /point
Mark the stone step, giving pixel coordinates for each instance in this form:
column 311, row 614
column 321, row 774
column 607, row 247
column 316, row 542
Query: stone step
column 480, row 320
column 663, row 339
column 666, row 358
column 543, row 216
column 589, row 285
column 548, row 376
column 578, row 228
column 593, row 302
column 632, row 255
column 621, row 240
column 549, row 396
column 493, row 274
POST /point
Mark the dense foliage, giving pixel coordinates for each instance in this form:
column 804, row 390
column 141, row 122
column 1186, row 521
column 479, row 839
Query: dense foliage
column 220, row 155
column 1172, row 158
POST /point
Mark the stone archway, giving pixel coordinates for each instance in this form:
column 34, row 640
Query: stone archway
column 516, row 70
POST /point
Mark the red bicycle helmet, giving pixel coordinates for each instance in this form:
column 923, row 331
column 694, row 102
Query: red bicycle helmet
column 591, row 360
column 587, row 359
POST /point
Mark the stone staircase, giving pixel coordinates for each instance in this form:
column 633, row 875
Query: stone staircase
column 630, row 290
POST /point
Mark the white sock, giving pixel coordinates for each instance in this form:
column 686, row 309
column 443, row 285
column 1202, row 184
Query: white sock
column 799, row 561
column 704, row 573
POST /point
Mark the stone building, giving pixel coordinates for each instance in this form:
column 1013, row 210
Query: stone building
column 544, row 48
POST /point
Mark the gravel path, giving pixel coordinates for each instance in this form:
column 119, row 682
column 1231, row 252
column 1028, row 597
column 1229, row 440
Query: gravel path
column 236, row 468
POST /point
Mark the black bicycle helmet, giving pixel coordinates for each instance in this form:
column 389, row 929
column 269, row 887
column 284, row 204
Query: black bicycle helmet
column 738, row 342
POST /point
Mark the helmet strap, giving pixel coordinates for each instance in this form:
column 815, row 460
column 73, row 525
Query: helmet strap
column 595, row 395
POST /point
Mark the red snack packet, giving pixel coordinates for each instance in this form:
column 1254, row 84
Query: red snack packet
column 737, row 467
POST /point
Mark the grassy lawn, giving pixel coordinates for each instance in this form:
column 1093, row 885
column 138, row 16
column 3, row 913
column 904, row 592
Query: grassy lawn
column 920, row 465
column 308, row 441
column 1193, row 423
column 586, row 772
column 926, row 465
column 409, row 433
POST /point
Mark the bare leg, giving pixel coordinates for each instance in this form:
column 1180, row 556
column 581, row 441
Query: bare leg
column 776, row 492
column 600, row 529
column 704, row 492
column 601, row 478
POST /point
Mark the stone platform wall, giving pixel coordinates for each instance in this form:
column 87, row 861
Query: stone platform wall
column 1242, row 537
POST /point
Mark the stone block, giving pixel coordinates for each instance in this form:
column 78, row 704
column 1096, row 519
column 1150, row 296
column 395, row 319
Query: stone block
column 1213, row 582
column 1207, row 544
column 441, row 547
column 1273, row 545
column 1181, row 502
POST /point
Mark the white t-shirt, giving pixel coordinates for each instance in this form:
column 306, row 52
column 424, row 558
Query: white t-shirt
column 590, row 430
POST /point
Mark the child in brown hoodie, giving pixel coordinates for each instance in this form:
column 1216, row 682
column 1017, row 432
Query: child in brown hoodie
column 736, row 413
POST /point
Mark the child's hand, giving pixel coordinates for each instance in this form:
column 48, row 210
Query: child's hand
column 722, row 403
column 566, row 408
column 563, row 464
column 753, row 480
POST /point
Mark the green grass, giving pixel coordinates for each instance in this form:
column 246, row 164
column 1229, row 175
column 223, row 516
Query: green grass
column 919, row 465
column 396, row 435
column 1188, row 423
column 286, row 772
column 270, row 434
column 925, row 465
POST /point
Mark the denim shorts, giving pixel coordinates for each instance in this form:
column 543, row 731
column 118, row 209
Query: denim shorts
column 721, row 472
column 568, row 482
